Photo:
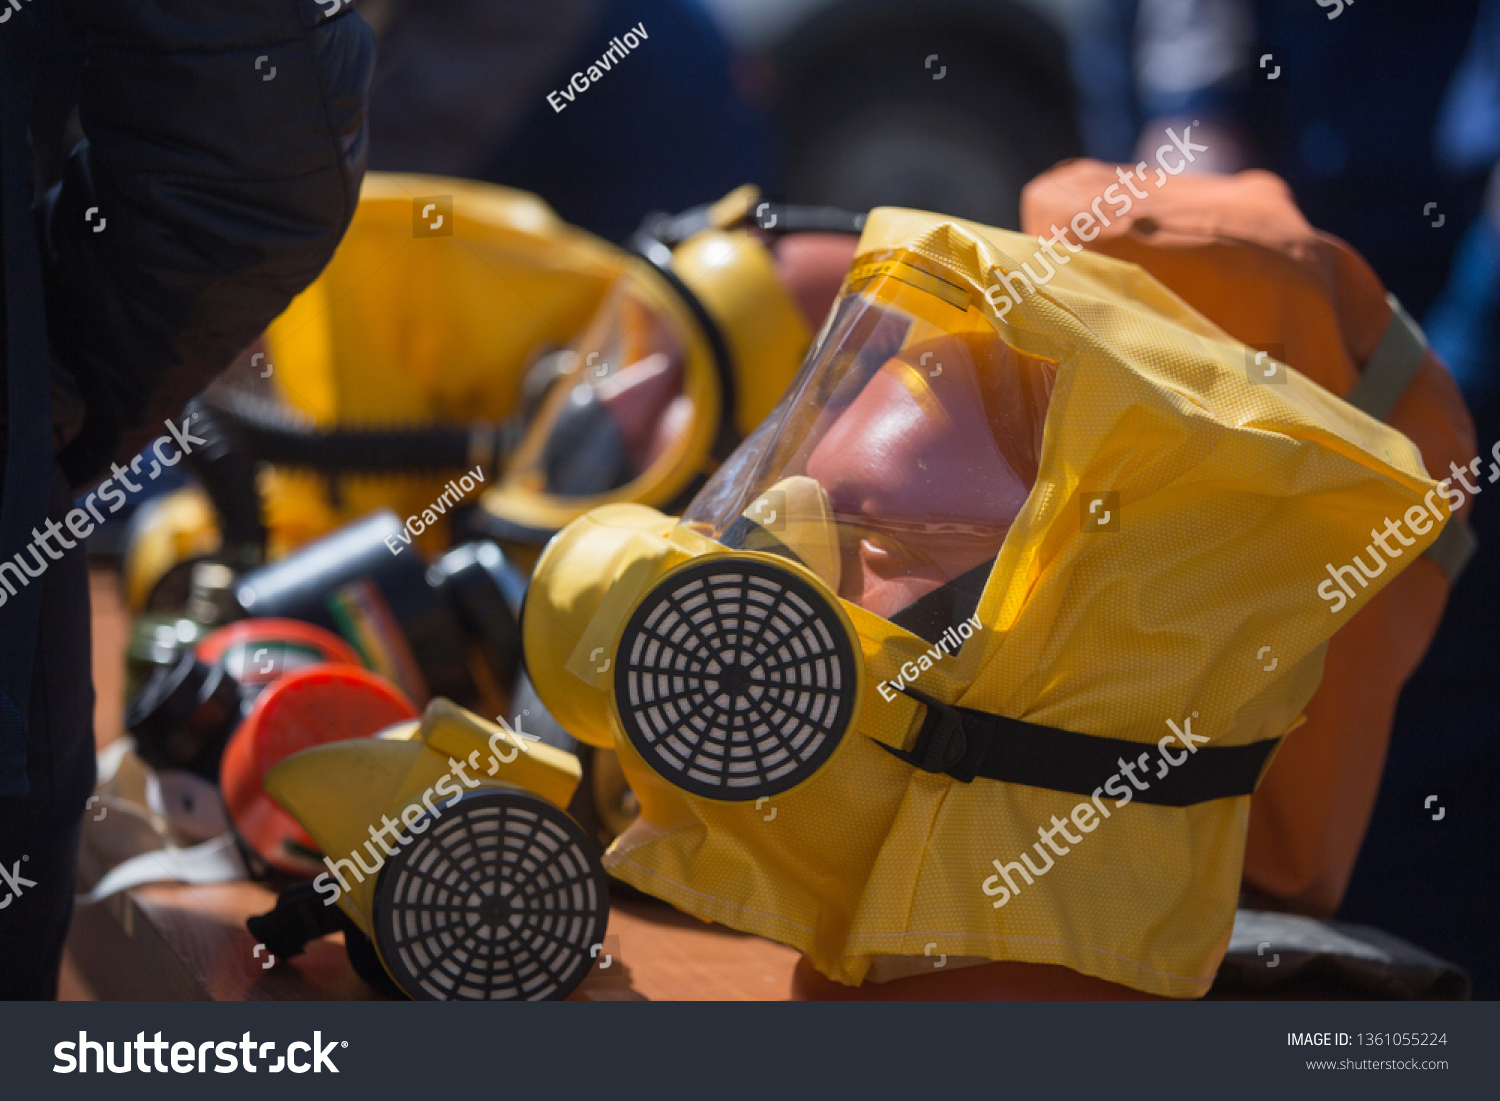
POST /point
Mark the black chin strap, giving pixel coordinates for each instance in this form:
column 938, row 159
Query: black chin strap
column 302, row 915
column 299, row 916
column 968, row 744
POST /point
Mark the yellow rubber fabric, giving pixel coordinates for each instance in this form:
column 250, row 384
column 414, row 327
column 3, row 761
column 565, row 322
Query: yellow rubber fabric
column 402, row 330
column 340, row 791
column 1234, row 498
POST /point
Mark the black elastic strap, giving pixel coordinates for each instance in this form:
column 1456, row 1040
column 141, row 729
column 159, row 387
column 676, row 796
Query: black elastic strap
column 946, row 606
column 746, row 534
column 300, row 916
column 671, row 230
column 965, row 744
column 659, row 234
column 660, row 258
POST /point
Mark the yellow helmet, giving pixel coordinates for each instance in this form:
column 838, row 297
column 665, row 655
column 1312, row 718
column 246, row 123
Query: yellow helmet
column 983, row 597
column 395, row 369
column 691, row 349
column 438, row 297
column 458, row 324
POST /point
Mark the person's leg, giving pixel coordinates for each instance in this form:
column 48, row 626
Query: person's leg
column 35, row 924
column 39, row 832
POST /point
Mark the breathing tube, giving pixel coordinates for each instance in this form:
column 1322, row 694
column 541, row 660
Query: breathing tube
column 244, row 431
column 272, row 435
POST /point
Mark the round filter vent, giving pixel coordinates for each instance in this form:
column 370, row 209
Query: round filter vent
column 501, row 899
column 735, row 678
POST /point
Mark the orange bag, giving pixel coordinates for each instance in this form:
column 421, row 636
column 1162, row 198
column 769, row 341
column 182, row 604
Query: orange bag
column 1237, row 249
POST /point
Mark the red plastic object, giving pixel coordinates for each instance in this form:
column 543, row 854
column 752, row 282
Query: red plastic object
column 258, row 651
column 314, row 706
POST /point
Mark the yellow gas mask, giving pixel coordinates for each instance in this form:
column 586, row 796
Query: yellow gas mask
column 963, row 643
column 452, row 870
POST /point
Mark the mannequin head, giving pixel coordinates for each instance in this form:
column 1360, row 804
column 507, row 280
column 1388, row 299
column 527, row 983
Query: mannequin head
column 928, row 466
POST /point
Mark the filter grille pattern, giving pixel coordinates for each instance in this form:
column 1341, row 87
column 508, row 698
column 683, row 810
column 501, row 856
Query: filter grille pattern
column 735, row 679
column 500, row 899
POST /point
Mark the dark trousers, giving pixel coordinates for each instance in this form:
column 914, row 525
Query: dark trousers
column 39, row 832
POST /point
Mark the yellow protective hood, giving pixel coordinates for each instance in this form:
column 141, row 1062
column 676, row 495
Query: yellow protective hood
column 1234, row 501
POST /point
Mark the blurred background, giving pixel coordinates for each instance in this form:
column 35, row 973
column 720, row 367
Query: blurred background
column 1383, row 119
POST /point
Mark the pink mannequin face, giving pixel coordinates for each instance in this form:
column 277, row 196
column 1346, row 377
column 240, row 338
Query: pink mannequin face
column 921, row 492
column 812, row 267
column 645, row 399
column 646, row 403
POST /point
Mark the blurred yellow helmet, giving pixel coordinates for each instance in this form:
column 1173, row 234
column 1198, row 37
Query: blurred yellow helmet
column 692, row 348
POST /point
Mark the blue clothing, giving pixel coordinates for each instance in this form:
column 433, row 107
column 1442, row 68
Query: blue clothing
column 1464, row 325
column 1468, row 135
column 1434, row 880
column 664, row 129
column 176, row 233
column 1348, row 123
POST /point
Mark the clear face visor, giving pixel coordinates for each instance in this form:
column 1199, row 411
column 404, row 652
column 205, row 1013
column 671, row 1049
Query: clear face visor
column 901, row 455
column 610, row 409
